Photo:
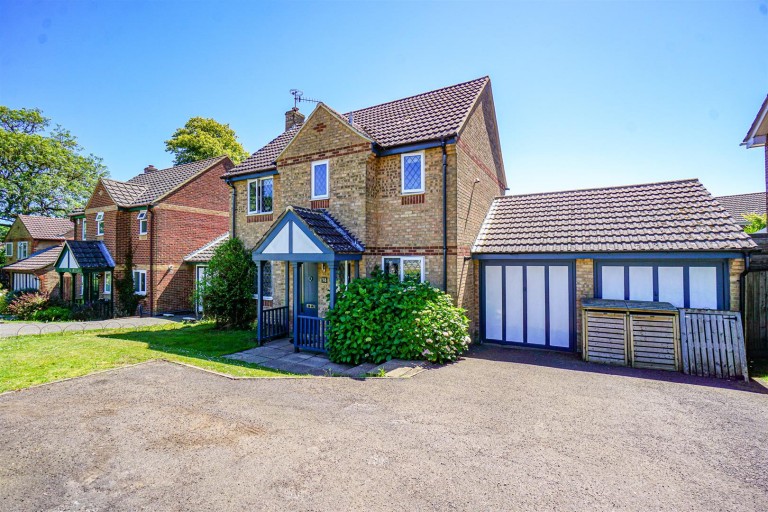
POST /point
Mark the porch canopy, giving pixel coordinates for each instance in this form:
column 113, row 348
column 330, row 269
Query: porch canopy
column 87, row 258
column 298, row 236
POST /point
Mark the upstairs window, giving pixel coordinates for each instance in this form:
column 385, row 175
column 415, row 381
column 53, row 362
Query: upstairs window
column 409, row 268
column 99, row 223
column 142, row 217
column 260, row 195
column 8, row 249
column 412, row 172
column 82, row 229
column 23, row 250
column 320, row 179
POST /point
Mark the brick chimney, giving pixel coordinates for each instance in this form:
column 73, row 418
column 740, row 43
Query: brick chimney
column 293, row 117
column 150, row 168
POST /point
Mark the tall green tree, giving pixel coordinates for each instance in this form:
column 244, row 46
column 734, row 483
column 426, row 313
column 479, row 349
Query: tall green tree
column 204, row 138
column 227, row 292
column 43, row 170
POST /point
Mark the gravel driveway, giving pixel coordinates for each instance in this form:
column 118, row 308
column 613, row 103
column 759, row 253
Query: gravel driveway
column 501, row 430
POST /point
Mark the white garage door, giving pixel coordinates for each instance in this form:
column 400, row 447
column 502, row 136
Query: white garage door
column 692, row 285
column 528, row 304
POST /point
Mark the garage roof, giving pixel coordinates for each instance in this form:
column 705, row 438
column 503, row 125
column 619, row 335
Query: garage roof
column 669, row 216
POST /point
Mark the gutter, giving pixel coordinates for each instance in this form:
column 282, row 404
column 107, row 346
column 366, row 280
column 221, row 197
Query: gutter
column 151, row 260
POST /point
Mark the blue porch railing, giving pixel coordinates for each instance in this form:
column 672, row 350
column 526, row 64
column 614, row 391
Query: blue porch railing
column 309, row 334
column 274, row 323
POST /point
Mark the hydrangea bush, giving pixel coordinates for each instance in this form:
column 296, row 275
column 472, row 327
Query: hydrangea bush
column 380, row 318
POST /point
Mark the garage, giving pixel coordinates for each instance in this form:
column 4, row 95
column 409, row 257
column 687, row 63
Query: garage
column 529, row 303
column 540, row 256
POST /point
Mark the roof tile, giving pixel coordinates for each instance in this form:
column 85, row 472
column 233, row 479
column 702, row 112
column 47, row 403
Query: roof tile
column 47, row 228
column 741, row 204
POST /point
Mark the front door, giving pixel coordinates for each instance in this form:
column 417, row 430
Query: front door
column 200, row 271
column 308, row 289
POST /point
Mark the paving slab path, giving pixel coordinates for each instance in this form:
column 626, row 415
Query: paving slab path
column 10, row 329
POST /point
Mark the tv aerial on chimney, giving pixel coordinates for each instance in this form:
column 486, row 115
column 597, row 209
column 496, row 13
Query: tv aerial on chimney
column 298, row 96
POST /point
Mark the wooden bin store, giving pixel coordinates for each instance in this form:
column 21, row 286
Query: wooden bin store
column 631, row 333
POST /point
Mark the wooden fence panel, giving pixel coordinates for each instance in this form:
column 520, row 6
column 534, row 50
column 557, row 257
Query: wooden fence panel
column 713, row 344
column 654, row 341
column 756, row 313
column 605, row 338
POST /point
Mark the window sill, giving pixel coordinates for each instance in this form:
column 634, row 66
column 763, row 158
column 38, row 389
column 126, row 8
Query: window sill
column 416, row 198
column 259, row 217
column 142, row 237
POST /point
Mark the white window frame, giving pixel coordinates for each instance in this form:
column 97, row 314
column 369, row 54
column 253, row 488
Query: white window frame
column 402, row 173
column 107, row 282
column 82, row 229
column 403, row 258
column 327, row 180
column 100, row 224
column 143, row 223
column 140, row 273
column 272, row 269
column 259, row 208
column 19, row 245
column 8, row 249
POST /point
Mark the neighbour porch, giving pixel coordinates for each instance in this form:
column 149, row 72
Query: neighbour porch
column 317, row 255
column 92, row 261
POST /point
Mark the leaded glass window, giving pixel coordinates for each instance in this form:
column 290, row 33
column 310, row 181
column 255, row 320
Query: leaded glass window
column 413, row 173
column 320, row 180
column 266, row 277
column 405, row 267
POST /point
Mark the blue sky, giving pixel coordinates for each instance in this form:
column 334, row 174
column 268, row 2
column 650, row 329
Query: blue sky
column 587, row 93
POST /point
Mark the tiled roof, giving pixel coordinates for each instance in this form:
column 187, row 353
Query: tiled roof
column 669, row 216
column 329, row 230
column 150, row 186
column 47, row 228
column 427, row 116
column 37, row 260
column 740, row 204
column 205, row 253
column 91, row 254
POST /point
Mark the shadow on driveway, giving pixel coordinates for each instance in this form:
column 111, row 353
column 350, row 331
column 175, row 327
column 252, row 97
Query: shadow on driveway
column 570, row 361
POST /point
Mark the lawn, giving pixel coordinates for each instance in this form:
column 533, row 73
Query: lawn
column 29, row 360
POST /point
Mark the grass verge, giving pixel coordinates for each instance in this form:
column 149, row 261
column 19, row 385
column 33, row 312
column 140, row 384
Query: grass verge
column 29, row 360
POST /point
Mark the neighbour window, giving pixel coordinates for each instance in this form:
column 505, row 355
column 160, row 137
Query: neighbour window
column 260, row 193
column 142, row 217
column 140, row 282
column 412, row 172
column 82, row 235
column 405, row 267
column 320, row 179
column 266, row 277
column 9, row 249
column 99, row 223
column 81, row 277
column 343, row 274
column 107, row 282
column 22, row 251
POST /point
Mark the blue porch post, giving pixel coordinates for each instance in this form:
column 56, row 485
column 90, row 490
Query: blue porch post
column 296, row 284
column 259, row 301
column 333, row 285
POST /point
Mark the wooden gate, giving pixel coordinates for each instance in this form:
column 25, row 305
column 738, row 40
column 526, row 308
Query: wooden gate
column 756, row 313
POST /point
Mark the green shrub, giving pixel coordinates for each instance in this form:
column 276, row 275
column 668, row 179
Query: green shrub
column 227, row 292
column 379, row 318
column 26, row 305
column 53, row 314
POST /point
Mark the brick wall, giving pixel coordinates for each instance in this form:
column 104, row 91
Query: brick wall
column 735, row 269
column 585, row 289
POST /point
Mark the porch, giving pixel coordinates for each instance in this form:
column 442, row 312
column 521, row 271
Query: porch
column 90, row 260
column 316, row 253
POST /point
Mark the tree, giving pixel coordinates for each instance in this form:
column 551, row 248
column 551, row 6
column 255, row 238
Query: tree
column 127, row 298
column 755, row 222
column 42, row 171
column 203, row 138
column 227, row 292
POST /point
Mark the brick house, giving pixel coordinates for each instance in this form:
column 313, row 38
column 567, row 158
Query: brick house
column 541, row 254
column 403, row 186
column 163, row 215
column 31, row 247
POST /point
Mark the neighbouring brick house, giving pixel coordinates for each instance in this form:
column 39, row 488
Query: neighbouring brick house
column 403, row 186
column 31, row 247
column 163, row 215
column 541, row 254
